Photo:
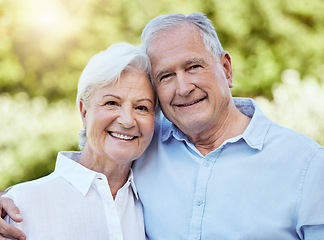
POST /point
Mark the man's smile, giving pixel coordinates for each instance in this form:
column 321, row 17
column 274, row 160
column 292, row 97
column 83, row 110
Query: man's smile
column 190, row 103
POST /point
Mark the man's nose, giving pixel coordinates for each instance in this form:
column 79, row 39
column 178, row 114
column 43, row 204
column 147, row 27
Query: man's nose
column 126, row 118
column 184, row 85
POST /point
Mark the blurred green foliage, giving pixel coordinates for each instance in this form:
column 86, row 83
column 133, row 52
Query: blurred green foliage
column 45, row 44
column 32, row 131
column 298, row 104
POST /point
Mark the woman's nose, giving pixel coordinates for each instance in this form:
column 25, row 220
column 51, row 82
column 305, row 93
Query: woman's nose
column 126, row 118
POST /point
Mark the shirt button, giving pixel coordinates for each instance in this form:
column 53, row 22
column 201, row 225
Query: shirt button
column 116, row 237
column 199, row 202
column 206, row 164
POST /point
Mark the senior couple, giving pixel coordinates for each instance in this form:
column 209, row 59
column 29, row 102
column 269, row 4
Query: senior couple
column 216, row 168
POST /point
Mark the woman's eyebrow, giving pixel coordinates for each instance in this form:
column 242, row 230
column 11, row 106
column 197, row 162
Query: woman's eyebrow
column 145, row 100
column 111, row 95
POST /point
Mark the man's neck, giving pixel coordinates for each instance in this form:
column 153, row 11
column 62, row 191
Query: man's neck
column 232, row 125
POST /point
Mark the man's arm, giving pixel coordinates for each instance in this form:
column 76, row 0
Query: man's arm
column 8, row 207
column 310, row 221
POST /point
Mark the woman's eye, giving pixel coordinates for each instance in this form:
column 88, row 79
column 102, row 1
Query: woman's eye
column 111, row 103
column 143, row 108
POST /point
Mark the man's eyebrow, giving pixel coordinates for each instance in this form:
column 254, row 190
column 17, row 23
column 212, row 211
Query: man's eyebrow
column 190, row 61
column 159, row 73
column 195, row 60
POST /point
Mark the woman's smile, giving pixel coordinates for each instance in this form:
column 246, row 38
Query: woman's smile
column 122, row 136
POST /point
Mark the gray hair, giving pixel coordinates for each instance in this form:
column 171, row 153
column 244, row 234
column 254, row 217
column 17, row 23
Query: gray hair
column 169, row 21
column 105, row 68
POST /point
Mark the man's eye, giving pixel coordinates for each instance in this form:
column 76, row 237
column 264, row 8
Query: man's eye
column 194, row 67
column 165, row 77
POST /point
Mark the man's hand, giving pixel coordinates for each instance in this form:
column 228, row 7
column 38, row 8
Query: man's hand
column 8, row 207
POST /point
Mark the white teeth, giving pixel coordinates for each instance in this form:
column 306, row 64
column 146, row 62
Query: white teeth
column 121, row 136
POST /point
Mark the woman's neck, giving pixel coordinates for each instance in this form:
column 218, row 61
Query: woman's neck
column 117, row 174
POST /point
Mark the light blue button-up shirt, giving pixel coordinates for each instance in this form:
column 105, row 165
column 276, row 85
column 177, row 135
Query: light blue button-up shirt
column 266, row 184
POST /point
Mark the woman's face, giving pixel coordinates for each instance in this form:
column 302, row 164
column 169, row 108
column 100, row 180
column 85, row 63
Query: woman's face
column 119, row 118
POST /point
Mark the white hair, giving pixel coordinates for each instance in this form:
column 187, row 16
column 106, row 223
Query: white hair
column 169, row 21
column 105, row 68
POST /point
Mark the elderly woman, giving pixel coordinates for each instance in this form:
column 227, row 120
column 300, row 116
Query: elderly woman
column 116, row 102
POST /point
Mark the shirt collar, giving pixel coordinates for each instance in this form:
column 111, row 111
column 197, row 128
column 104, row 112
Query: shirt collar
column 79, row 176
column 132, row 183
column 257, row 130
column 76, row 174
column 254, row 134
column 169, row 129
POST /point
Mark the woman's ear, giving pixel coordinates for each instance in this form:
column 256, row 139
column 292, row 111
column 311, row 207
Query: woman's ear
column 226, row 62
column 83, row 113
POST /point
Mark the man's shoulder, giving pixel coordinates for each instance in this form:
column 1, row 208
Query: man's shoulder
column 295, row 139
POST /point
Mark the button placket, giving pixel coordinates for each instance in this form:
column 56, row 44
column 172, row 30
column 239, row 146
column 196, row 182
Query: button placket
column 111, row 212
column 198, row 207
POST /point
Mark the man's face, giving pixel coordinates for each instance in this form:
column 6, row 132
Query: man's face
column 191, row 84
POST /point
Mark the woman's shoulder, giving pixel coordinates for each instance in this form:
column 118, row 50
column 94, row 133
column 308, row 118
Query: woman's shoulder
column 33, row 187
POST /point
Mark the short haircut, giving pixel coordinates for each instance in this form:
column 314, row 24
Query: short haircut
column 105, row 68
column 169, row 21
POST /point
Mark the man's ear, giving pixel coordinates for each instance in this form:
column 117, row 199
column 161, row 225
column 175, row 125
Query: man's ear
column 83, row 113
column 226, row 63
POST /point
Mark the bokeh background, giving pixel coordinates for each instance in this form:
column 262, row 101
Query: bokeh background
column 277, row 50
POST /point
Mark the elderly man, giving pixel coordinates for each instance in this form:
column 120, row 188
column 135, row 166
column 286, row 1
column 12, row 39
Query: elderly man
column 217, row 167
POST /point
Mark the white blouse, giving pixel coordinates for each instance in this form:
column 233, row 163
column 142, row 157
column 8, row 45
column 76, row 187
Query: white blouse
column 75, row 202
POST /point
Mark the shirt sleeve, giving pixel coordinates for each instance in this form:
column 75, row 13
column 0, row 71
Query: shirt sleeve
column 8, row 195
column 310, row 217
